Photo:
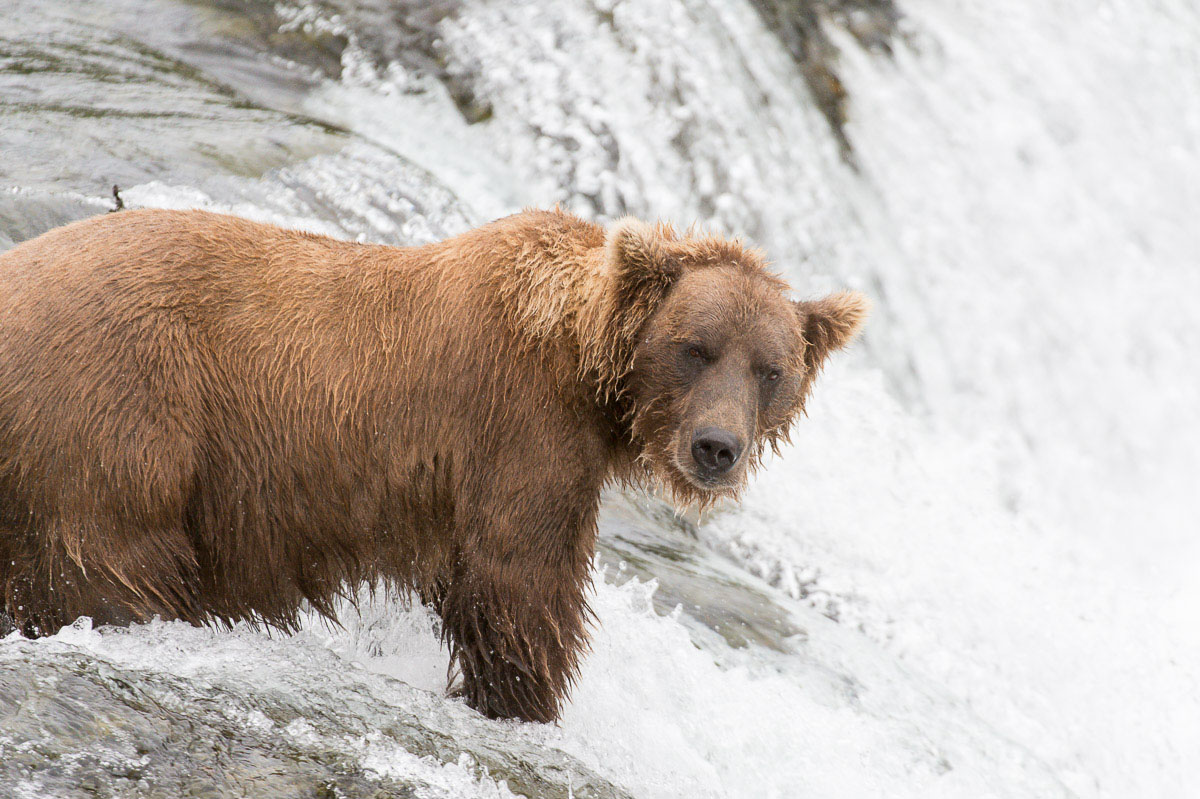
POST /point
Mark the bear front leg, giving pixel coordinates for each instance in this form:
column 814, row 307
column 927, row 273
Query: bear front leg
column 515, row 612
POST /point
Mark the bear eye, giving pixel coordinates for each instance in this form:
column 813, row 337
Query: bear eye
column 696, row 352
column 772, row 375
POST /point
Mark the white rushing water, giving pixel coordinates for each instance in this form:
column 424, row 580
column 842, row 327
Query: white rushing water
column 988, row 528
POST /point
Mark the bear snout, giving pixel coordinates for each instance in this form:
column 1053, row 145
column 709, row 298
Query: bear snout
column 715, row 451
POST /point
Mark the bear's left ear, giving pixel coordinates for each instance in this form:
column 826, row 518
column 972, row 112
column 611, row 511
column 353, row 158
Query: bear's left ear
column 830, row 323
column 641, row 263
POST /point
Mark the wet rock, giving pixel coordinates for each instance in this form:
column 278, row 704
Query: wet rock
column 87, row 106
column 73, row 724
column 640, row 537
column 332, row 37
column 256, row 27
column 800, row 25
column 76, row 726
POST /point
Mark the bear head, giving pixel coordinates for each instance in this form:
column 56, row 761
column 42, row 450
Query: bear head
column 722, row 359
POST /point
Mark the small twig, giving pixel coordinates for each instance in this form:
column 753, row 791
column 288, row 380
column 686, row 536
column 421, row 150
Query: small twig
column 120, row 204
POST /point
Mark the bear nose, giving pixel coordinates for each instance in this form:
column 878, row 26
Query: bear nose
column 716, row 450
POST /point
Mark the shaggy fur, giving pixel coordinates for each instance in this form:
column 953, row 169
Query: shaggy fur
column 209, row 419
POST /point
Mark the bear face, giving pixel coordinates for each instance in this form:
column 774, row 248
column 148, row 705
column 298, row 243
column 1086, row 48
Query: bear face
column 724, row 361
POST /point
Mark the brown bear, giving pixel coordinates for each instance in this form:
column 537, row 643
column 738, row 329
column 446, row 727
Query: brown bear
column 210, row 419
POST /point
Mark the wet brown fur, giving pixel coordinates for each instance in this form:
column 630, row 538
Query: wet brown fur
column 215, row 420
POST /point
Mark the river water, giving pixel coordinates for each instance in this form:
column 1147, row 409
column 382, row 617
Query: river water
column 977, row 571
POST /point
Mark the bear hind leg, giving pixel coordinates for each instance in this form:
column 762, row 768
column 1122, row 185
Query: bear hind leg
column 115, row 573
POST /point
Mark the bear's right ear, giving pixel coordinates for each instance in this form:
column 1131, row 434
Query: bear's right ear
column 640, row 262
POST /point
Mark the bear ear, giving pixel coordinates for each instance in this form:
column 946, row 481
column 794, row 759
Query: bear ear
column 830, row 323
column 640, row 262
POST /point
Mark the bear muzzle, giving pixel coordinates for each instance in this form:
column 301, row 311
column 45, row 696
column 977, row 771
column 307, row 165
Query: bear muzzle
column 715, row 452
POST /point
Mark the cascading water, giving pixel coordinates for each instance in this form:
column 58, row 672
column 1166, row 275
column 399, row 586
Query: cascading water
column 975, row 572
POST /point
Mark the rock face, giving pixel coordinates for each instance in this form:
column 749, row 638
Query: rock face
column 76, row 725
column 85, row 106
column 800, row 27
